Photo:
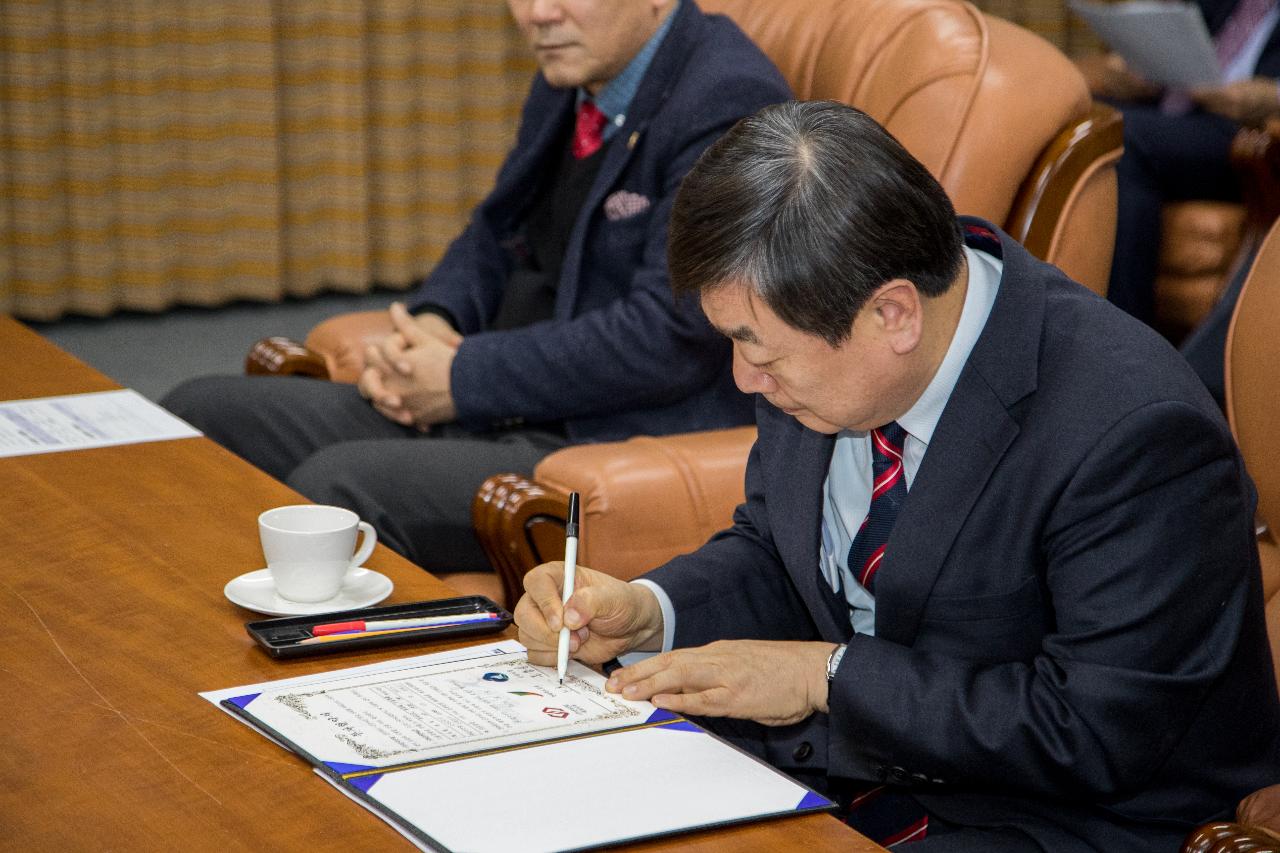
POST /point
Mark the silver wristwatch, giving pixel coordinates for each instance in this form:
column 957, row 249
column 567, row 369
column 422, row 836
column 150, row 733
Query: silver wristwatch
column 833, row 662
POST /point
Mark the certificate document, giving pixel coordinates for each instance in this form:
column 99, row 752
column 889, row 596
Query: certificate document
column 430, row 744
column 435, row 711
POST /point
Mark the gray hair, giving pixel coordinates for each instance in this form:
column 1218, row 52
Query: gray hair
column 814, row 206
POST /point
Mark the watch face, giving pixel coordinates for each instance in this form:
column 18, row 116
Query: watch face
column 833, row 662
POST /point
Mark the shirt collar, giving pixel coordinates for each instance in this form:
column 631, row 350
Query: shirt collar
column 984, row 283
column 617, row 94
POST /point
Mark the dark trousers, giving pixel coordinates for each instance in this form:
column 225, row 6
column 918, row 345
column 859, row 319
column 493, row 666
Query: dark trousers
column 1166, row 158
column 325, row 441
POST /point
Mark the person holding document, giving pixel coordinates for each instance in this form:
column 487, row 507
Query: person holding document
column 1177, row 144
column 994, row 582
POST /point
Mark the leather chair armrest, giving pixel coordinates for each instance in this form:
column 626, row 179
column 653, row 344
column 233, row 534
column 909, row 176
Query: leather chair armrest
column 1261, row 811
column 1066, row 204
column 644, row 501
column 341, row 341
column 334, row 349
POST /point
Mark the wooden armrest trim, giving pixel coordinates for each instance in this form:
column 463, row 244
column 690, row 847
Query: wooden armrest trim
column 1073, row 154
column 520, row 524
column 1229, row 838
column 279, row 356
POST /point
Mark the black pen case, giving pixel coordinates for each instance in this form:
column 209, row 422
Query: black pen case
column 285, row 637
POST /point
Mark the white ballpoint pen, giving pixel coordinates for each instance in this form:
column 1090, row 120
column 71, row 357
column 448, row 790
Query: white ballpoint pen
column 570, row 568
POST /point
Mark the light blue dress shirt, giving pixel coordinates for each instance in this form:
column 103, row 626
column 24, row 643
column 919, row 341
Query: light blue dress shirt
column 847, row 490
column 616, row 95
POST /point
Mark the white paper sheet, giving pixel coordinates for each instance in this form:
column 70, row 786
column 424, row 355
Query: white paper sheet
column 83, row 421
column 585, row 793
column 1166, row 43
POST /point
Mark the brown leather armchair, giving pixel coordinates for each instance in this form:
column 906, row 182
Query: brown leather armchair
column 998, row 115
column 1253, row 408
column 1001, row 118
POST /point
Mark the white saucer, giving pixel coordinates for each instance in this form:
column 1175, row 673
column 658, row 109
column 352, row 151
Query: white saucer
column 256, row 591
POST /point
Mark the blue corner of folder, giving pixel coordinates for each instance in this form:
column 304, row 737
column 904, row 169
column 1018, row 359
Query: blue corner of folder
column 813, row 801
column 242, row 701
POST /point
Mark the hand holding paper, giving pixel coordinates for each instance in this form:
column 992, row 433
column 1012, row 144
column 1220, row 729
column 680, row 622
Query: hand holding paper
column 1249, row 102
column 1166, row 43
column 607, row 617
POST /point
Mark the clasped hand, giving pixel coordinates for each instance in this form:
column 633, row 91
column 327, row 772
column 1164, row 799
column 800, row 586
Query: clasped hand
column 771, row 682
column 406, row 376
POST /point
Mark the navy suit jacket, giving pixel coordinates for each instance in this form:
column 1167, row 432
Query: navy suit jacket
column 1069, row 621
column 622, row 356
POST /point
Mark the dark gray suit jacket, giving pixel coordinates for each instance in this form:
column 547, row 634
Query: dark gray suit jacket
column 1069, row 629
column 622, row 356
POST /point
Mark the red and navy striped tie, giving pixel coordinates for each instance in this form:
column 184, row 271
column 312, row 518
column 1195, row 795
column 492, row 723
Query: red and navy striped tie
column 888, row 491
column 888, row 817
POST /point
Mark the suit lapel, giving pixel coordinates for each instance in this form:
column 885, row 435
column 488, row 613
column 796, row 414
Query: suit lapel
column 976, row 428
column 968, row 443
column 662, row 74
column 554, row 107
column 797, row 476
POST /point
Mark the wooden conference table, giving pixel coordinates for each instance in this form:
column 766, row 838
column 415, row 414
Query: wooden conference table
column 111, row 582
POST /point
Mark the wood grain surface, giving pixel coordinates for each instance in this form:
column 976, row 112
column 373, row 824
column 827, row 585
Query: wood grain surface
column 111, row 579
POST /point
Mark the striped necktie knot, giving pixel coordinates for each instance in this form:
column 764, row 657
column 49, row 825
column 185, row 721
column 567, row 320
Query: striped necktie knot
column 888, row 491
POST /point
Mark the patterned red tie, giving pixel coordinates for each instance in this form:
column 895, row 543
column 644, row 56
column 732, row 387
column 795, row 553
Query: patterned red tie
column 587, row 136
column 888, row 491
column 882, row 814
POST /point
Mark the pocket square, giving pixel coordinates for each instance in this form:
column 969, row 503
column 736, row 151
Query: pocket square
column 624, row 204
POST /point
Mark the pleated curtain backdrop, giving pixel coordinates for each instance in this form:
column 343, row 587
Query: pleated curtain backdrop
column 161, row 153
column 1049, row 19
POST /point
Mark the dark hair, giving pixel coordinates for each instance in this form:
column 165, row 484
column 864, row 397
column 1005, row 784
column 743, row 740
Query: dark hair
column 813, row 205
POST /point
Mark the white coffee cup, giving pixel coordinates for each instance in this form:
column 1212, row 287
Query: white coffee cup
column 308, row 549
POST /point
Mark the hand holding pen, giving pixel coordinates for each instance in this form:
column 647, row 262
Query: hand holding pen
column 606, row 618
column 570, row 571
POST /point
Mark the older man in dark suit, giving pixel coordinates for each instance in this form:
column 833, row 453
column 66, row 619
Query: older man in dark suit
column 550, row 319
column 995, row 577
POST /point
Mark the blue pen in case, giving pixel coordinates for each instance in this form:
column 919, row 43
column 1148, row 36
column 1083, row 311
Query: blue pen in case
column 295, row 636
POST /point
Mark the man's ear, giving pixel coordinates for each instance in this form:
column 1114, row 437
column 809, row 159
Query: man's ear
column 899, row 313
